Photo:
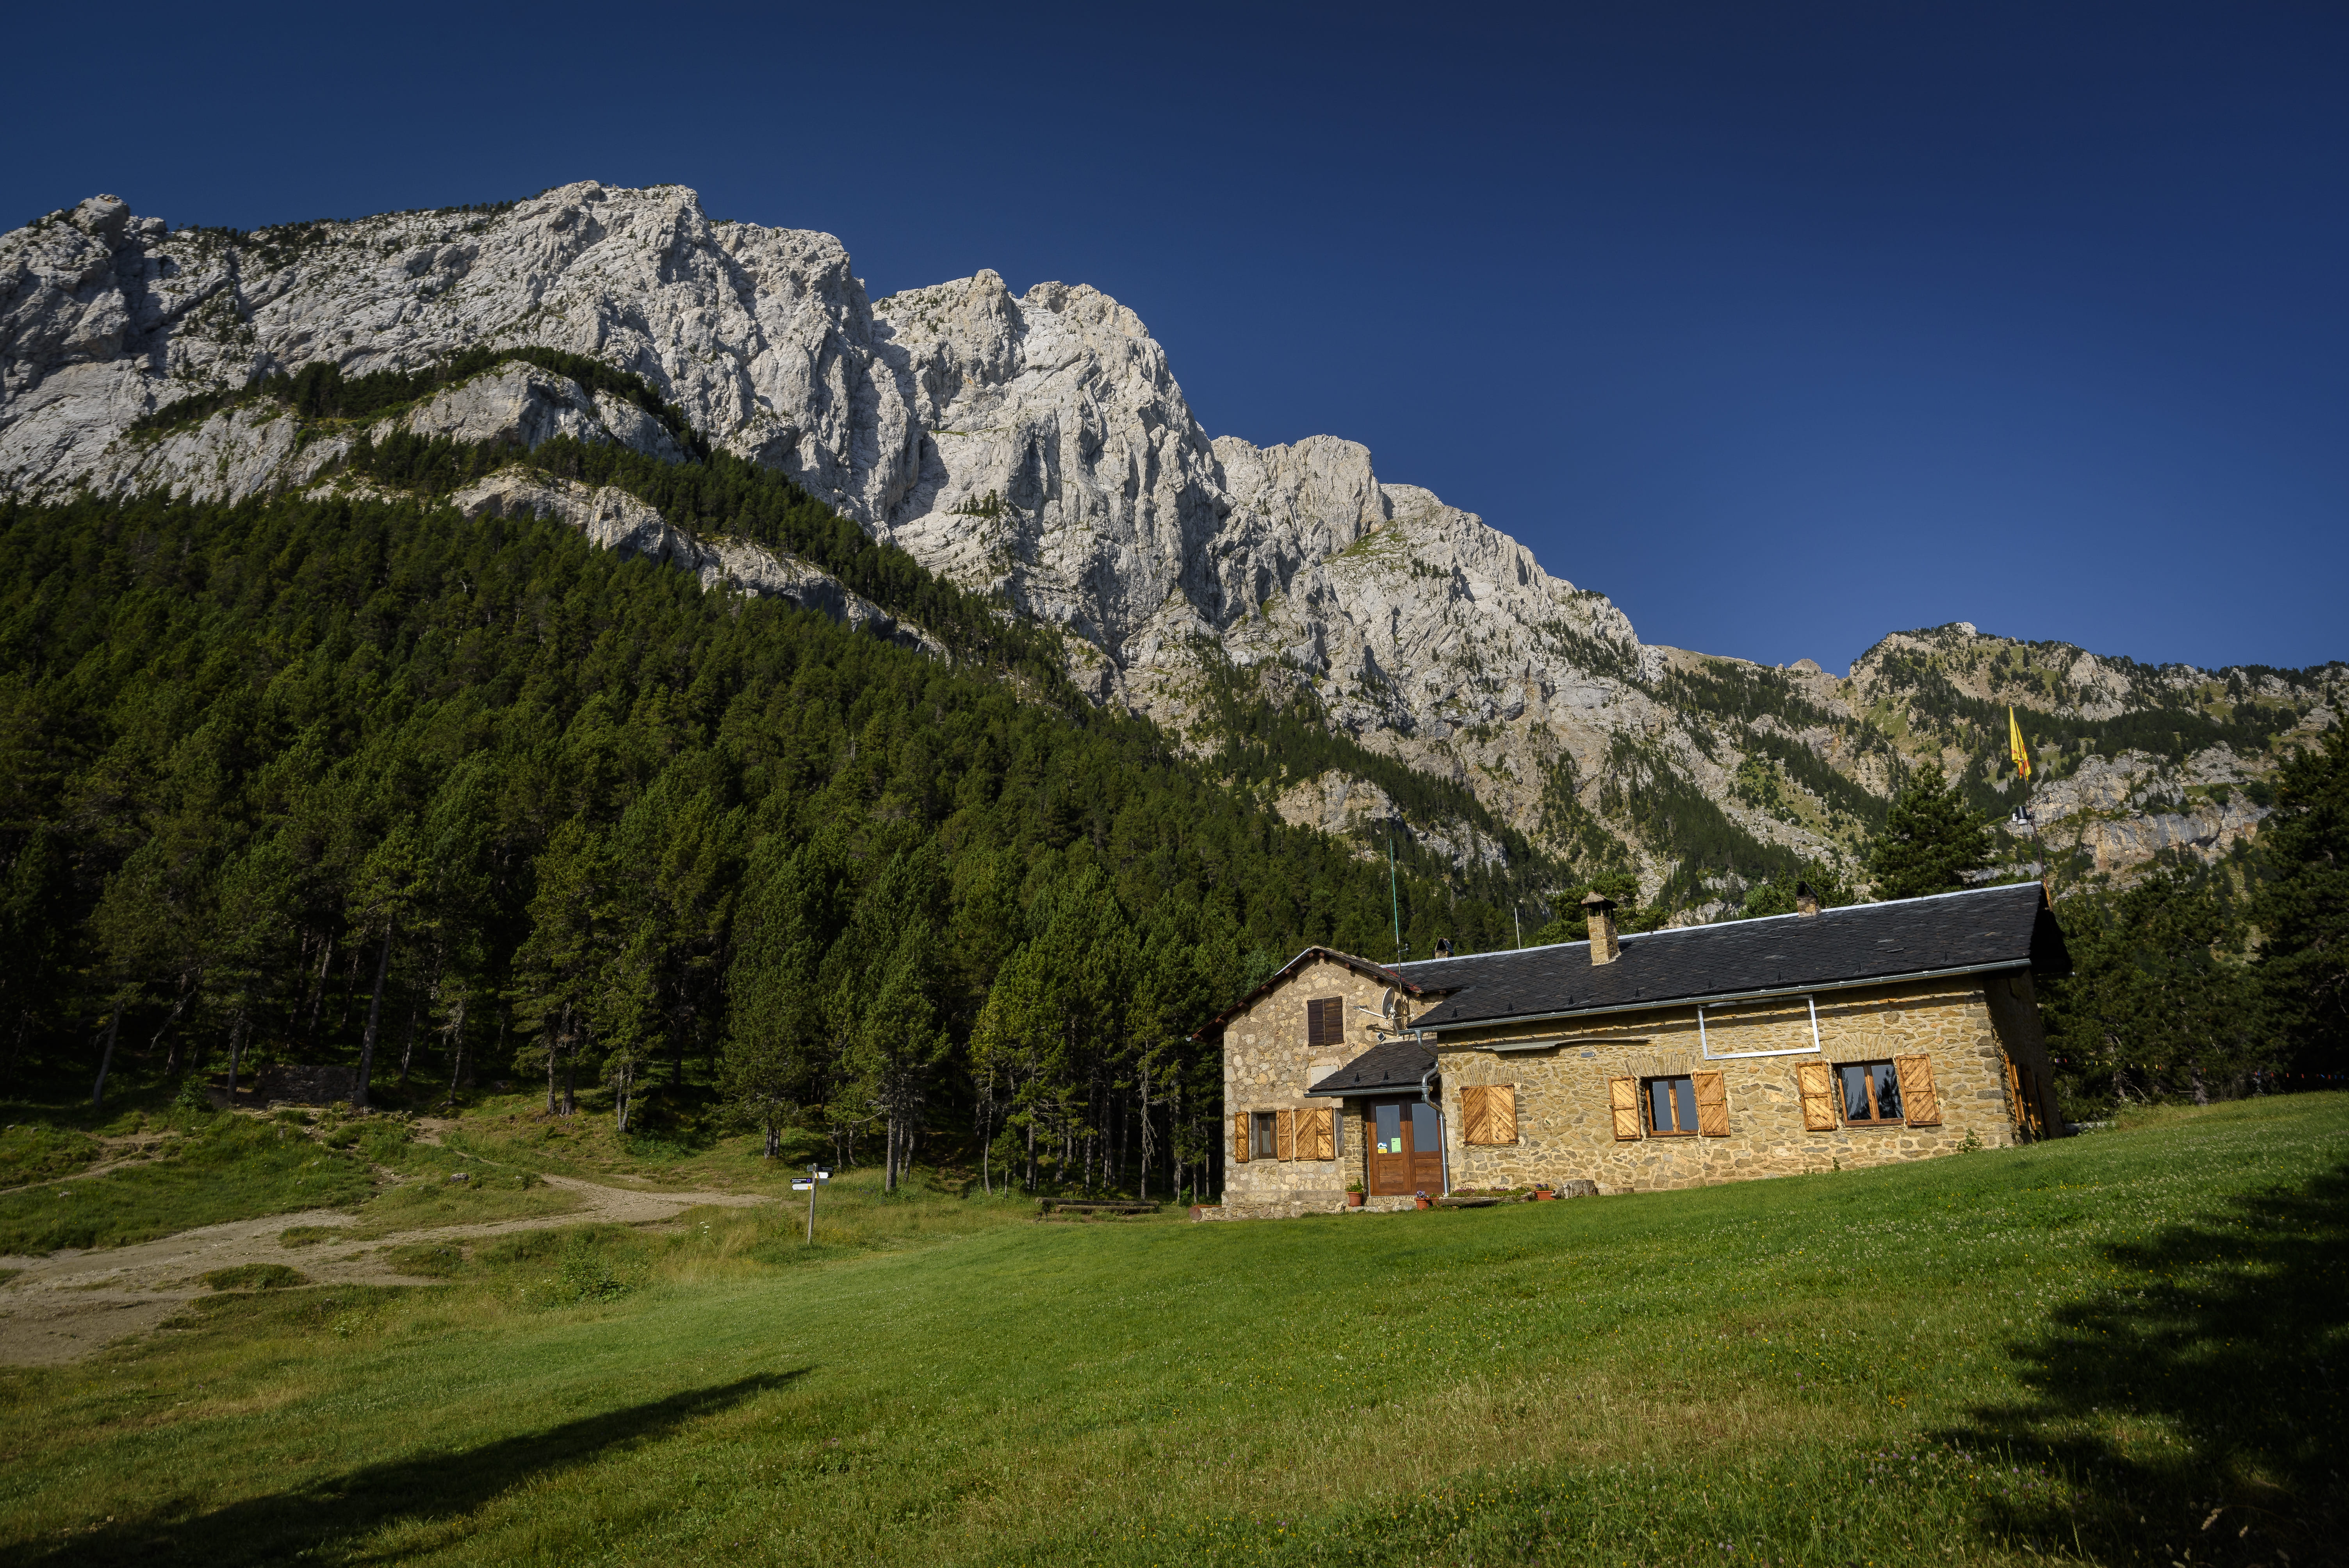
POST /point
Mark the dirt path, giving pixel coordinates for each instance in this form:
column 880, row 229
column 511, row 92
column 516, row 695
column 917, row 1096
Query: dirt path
column 64, row 1305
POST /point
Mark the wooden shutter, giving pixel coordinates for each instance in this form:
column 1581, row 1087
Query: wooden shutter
column 1325, row 1022
column 1916, row 1096
column 1315, row 1139
column 1283, row 1139
column 1488, row 1114
column 1711, row 1104
column 1240, row 1138
column 1818, row 1085
column 1624, row 1095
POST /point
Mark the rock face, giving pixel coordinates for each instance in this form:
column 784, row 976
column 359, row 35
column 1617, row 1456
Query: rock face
column 1035, row 446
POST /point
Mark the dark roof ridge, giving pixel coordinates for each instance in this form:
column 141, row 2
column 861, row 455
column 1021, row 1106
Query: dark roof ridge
column 1628, row 937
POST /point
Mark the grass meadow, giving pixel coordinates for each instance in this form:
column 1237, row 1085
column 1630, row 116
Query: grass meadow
column 2122, row 1347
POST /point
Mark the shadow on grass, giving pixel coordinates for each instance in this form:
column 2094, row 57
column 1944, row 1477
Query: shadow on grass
column 312, row 1521
column 2226, row 1333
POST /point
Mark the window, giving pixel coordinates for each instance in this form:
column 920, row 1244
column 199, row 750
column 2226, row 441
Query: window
column 1325, row 1022
column 1263, row 1134
column 1683, row 1106
column 1871, row 1094
column 1672, row 1105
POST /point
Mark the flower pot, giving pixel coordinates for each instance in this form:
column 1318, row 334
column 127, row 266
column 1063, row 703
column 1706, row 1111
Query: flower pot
column 1543, row 1195
column 1353, row 1200
column 1423, row 1203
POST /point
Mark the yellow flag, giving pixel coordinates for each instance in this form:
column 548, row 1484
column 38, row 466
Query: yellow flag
column 2015, row 744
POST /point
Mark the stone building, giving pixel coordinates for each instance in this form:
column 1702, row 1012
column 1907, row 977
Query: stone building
column 1820, row 1040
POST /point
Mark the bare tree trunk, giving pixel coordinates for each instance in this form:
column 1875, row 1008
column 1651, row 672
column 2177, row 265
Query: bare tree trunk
column 374, row 1018
column 571, row 1075
column 236, row 1041
column 457, row 1053
column 986, row 1115
column 106, row 1058
column 554, row 1048
column 319, row 988
column 1141, row 1083
column 180, row 1005
column 623, row 1077
column 407, row 1043
column 350, row 990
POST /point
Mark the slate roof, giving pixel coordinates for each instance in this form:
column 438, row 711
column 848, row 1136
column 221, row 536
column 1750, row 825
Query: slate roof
column 1978, row 929
column 1396, row 1064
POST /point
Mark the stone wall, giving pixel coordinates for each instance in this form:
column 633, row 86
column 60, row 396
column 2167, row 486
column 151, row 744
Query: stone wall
column 1566, row 1124
column 1268, row 1065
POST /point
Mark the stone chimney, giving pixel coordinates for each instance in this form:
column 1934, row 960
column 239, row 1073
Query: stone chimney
column 1443, row 947
column 1805, row 901
column 1604, row 948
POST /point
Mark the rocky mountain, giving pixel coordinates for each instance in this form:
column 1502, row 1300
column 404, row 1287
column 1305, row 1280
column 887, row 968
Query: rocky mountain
column 1038, row 447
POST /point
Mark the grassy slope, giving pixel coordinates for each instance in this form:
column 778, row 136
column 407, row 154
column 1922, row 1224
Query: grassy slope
column 201, row 1169
column 1929, row 1362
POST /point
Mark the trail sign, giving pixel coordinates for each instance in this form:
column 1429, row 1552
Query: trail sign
column 808, row 1184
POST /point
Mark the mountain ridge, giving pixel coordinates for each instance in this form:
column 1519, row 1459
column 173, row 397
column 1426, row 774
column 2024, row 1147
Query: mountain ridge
column 1037, row 449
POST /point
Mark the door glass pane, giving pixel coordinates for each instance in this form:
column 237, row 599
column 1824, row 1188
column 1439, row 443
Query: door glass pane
column 1390, row 1128
column 1887, row 1092
column 1660, row 1106
column 1684, row 1091
column 1424, row 1137
column 1855, row 1093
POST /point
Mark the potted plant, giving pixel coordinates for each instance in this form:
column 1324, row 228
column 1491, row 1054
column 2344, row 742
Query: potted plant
column 1353, row 1194
column 1542, row 1193
column 1422, row 1201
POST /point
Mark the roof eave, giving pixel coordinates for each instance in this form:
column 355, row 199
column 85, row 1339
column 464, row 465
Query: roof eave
column 1405, row 1085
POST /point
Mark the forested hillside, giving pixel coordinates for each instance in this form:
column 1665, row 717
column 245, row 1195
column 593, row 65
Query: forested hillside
column 350, row 779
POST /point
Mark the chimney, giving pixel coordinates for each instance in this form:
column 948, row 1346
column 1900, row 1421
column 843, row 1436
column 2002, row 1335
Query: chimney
column 1805, row 901
column 1604, row 948
column 1443, row 947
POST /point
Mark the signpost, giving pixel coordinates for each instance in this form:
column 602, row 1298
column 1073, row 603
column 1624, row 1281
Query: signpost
column 808, row 1184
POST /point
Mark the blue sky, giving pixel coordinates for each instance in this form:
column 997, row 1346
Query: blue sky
column 1787, row 325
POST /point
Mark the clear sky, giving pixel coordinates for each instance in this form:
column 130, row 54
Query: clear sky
column 1784, row 324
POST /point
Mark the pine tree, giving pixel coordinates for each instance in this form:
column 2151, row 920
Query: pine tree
column 1931, row 835
column 2154, row 1004
column 1777, row 896
column 2302, row 908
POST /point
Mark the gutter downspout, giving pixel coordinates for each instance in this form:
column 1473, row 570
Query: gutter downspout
column 1442, row 1133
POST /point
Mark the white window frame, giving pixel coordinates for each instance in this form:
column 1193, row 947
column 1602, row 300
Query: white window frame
column 1704, row 1043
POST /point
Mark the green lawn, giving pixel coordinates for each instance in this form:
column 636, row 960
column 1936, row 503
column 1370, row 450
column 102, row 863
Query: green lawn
column 2085, row 1350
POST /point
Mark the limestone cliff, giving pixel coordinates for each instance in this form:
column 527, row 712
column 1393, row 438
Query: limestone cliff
column 1037, row 445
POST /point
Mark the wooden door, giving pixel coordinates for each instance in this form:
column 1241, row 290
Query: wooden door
column 1406, row 1152
column 1425, row 1135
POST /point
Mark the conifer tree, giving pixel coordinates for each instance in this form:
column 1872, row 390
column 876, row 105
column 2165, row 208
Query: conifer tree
column 1929, row 836
column 2302, row 909
column 2155, row 1003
